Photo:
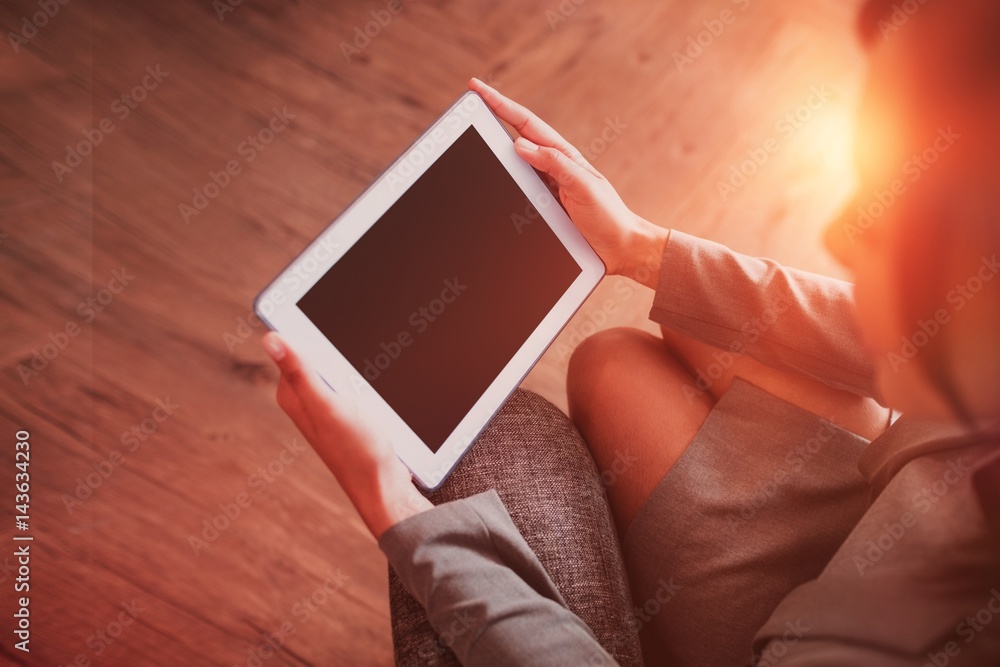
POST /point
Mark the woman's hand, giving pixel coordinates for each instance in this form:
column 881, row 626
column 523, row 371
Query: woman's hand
column 364, row 463
column 625, row 242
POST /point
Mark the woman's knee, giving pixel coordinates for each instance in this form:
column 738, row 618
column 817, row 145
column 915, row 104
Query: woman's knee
column 602, row 363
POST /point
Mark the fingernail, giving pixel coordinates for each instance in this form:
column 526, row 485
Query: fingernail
column 526, row 145
column 274, row 348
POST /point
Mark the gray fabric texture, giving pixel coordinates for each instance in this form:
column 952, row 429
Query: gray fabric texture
column 791, row 320
column 917, row 582
column 746, row 514
column 535, row 460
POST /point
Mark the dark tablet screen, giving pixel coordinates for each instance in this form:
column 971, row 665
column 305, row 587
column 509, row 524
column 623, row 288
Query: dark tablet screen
column 435, row 299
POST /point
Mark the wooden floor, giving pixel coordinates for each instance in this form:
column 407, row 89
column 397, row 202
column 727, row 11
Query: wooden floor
column 119, row 486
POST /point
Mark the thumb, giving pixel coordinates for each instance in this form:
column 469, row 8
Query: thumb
column 310, row 389
column 567, row 173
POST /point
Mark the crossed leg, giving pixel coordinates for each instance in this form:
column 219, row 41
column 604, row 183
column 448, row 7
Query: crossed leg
column 635, row 400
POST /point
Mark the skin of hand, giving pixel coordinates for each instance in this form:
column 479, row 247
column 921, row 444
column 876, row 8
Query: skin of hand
column 625, row 242
column 364, row 463
column 376, row 481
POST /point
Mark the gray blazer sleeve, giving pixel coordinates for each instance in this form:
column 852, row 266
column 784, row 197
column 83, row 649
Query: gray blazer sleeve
column 791, row 320
column 484, row 589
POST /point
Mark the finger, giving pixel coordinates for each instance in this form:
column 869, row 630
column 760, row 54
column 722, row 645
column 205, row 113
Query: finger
column 314, row 397
column 527, row 124
column 523, row 120
column 551, row 184
column 571, row 177
column 290, row 403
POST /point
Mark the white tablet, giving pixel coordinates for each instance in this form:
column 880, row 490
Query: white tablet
column 431, row 297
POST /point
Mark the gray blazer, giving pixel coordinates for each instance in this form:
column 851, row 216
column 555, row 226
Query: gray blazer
column 916, row 583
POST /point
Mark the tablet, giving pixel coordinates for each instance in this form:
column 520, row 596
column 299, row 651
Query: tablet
column 431, row 297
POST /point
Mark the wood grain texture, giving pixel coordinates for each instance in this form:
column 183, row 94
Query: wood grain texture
column 163, row 337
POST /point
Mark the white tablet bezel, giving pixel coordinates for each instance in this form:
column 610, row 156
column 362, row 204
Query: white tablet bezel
column 276, row 305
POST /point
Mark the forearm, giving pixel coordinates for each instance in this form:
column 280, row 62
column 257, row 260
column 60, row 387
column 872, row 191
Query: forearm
column 643, row 257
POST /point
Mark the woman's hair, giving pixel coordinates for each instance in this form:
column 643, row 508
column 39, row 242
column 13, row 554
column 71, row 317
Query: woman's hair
column 953, row 211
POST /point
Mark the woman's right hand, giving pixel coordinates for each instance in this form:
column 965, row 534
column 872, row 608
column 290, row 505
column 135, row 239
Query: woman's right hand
column 626, row 242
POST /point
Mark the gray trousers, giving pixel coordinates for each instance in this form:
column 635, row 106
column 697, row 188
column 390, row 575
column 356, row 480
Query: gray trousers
column 535, row 459
column 745, row 516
